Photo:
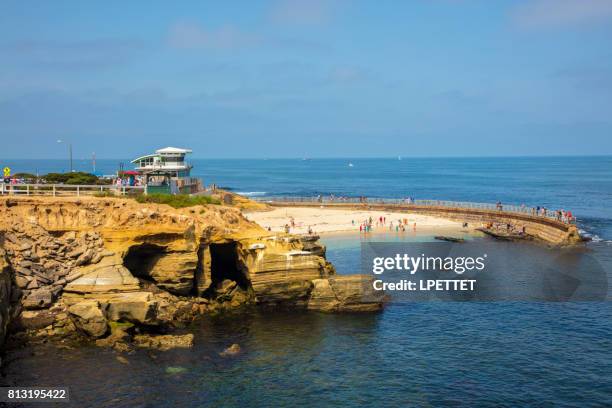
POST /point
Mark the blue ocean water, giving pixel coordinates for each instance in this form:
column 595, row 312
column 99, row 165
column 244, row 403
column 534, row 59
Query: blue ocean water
column 448, row 354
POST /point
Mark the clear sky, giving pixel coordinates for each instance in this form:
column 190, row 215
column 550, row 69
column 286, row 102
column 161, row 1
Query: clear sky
column 315, row 78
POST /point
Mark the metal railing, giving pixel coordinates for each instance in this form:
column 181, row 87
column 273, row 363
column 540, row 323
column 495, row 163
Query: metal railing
column 522, row 209
column 55, row 190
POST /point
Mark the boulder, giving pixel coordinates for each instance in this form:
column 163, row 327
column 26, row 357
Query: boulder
column 163, row 342
column 34, row 319
column 225, row 287
column 88, row 318
column 21, row 281
column 33, row 284
column 76, row 252
column 347, row 293
column 136, row 307
column 23, row 271
column 118, row 339
column 38, row 299
column 84, row 258
column 231, row 351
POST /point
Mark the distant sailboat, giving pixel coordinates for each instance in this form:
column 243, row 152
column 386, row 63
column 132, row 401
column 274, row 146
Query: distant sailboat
column 399, row 157
column 350, row 164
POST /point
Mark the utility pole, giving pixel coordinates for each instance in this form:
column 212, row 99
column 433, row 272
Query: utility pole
column 93, row 162
column 70, row 150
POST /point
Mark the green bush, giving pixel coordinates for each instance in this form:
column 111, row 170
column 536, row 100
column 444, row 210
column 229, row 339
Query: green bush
column 25, row 176
column 77, row 177
column 177, row 201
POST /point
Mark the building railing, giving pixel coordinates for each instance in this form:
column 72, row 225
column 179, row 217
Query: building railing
column 522, row 209
column 55, row 190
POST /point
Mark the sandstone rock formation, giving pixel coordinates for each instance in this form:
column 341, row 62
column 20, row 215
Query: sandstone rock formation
column 88, row 317
column 80, row 264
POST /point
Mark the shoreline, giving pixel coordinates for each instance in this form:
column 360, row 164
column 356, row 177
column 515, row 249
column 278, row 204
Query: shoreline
column 331, row 221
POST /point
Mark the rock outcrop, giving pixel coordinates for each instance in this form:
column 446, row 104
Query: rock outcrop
column 81, row 264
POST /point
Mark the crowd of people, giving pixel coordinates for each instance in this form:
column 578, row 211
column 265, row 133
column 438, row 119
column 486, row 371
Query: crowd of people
column 360, row 199
column 559, row 215
column 369, row 223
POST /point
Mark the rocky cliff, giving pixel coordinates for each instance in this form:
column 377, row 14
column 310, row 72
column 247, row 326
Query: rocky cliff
column 99, row 266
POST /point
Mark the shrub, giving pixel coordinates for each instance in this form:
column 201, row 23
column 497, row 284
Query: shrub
column 178, row 200
column 25, row 176
column 75, row 178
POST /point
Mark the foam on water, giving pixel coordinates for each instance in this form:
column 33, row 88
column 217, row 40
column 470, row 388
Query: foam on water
column 251, row 193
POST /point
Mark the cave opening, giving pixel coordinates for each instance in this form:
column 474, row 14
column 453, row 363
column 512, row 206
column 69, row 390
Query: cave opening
column 140, row 259
column 224, row 264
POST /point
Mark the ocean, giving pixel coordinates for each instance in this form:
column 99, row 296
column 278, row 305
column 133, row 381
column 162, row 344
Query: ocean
column 491, row 354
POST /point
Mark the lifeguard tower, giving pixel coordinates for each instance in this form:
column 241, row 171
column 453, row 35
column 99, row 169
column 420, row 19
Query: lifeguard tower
column 166, row 171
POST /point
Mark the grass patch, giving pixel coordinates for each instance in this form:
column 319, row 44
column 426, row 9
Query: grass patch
column 106, row 193
column 178, row 200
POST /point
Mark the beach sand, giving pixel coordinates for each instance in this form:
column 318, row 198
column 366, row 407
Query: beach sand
column 327, row 220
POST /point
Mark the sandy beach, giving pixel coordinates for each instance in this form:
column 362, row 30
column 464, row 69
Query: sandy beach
column 327, row 220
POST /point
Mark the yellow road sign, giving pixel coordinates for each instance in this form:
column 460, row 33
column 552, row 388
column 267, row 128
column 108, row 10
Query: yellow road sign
column 7, row 172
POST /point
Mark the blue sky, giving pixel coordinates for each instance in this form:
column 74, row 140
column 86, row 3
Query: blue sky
column 317, row 78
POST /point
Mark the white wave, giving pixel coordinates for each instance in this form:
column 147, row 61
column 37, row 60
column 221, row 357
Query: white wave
column 592, row 237
column 251, row 193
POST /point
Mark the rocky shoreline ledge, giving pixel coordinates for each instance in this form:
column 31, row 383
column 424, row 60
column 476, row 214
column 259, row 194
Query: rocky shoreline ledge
column 123, row 274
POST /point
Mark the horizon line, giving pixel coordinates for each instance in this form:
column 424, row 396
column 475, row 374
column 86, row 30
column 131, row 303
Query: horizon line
column 306, row 158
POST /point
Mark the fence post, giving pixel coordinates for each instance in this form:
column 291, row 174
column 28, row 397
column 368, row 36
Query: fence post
column 145, row 189
column 54, row 190
column 27, row 189
column 78, row 191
